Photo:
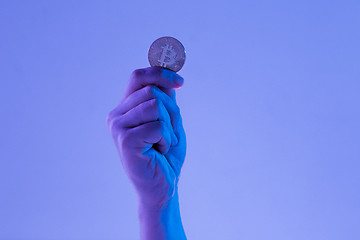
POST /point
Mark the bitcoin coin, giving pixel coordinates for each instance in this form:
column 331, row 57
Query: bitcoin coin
column 167, row 52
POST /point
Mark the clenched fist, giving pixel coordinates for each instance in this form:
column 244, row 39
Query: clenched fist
column 148, row 133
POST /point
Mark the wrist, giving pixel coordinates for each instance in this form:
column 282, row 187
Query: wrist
column 161, row 222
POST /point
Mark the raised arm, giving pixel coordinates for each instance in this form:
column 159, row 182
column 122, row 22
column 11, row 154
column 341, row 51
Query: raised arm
column 148, row 133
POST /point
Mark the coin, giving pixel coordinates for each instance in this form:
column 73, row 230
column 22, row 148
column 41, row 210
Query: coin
column 167, row 52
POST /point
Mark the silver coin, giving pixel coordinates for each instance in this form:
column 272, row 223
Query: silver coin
column 167, row 52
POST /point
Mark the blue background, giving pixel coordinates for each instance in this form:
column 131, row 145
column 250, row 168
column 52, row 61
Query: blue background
column 270, row 106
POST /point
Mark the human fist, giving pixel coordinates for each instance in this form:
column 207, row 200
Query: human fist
column 148, row 133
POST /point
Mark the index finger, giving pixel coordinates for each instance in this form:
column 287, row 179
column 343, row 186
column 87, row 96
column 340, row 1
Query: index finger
column 160, row 77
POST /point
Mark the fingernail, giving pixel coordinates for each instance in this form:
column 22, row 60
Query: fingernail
column 179, row 80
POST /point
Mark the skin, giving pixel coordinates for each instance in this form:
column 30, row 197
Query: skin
column 148, row 133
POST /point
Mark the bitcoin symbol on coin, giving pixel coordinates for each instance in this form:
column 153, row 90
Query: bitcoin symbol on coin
column 167, row 52
column 168, row 56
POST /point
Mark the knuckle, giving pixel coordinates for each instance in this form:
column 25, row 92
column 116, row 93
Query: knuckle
column 108, row 119
column 154, row 103
column 112, row 116
column 150, row 91
column 158, row 127
column 113, row 112
column 137, row 73
column 114, row 124
column 149, row 107
column 163, row 127
column 124, row 137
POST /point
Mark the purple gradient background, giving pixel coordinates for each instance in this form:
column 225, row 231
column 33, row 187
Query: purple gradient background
column 270, row 106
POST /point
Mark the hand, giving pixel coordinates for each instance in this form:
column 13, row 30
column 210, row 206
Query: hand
column 148, row 133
